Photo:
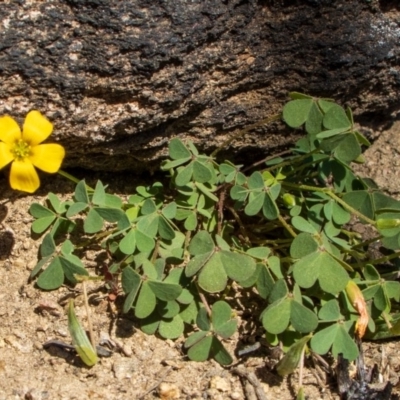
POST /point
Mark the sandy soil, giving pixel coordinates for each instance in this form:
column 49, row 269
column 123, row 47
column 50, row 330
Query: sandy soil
column 141, row 366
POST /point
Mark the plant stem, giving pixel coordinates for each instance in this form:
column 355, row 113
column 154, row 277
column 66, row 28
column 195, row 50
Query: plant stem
column 203, row 299
column 333, row 196
column 72, row 179
column 287, row 226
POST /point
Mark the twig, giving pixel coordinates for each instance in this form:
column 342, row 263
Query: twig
column 241, row 371
column 156, row 385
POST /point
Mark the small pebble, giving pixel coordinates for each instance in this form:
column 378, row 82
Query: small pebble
column 221, row 384
column 169, row 391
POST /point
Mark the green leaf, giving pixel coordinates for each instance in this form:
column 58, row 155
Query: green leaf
column 265, row 282
column 52, row 277
column 276, row 317
column 79, row 338
column 99, row 195
column 169, row 211
column 200, row 351
column 302, row 319
column 296, row 112
column 222, row 321
column 168, row 309
column 38, row 267
column 322, row 341
column 146, row 301
column 93, row 222
column 344, row 344
column 212, row 277
column 177, row 150
column 196, row 263
column 336, row 118
column 207, row 191
column 131, row 282
column 303, row 225
column 184, row 175
column 72, row 268
column 291, row 359
column 165, row 291
column 256, row 201
column 237, row 266
column 314, row 120
column 128, row 243
column 171, row 328
column 219, row 353
column 302, row 245
column 348, row 149
column 39, row 211
column 75, row 209
column 148, row 207
column 150, row 324
column 81, row 194
column 144, row 242
column 201, row 243
column 110, row 214
column 320, row 265
column 48, row 247
column 201, row 173
column 194, row 338
column 330, row 311
column 259, row 252
column 255, row 181
column 42, row 224
column 337, row 337
column 238, row 193
column 270, row 209
column 164, row 229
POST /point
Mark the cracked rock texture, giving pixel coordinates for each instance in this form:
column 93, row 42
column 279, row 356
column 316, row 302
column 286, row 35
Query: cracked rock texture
column 119, row 78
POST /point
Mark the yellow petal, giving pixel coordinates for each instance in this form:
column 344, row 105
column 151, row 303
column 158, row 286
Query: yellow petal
column 36, row 128
column 9, row 130
column 47, row 157
column 23, row 176
column 5, row 155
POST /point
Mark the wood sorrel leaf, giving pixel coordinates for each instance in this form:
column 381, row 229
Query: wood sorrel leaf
column 165, row 291
column 177, row 150
column 322, row 267
column 296, row 112
column 52, row 277
column 146, row 301
column 171, row 328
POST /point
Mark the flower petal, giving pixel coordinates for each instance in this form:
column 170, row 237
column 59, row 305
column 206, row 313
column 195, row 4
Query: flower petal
column 47, row 157
column 9, row 130
column 5, row 155
column 23, row 176
column 36, row 128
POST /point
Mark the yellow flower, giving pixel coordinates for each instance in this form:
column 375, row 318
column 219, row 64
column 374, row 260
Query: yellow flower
column 25, row 152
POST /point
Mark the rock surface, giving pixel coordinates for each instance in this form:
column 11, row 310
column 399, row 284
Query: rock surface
column 119, row 78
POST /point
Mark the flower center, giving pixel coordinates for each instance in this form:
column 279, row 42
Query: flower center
column 21, row 149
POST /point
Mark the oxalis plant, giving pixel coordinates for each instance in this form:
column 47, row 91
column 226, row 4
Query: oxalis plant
column 281, row 229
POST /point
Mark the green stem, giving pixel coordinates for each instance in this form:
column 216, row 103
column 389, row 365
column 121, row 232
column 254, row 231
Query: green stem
column 287, row 226
column 384, row 259
column 73, row 179
column 333, row 196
